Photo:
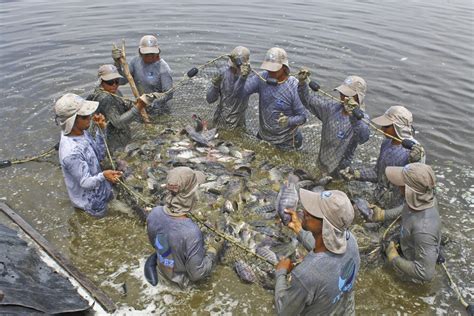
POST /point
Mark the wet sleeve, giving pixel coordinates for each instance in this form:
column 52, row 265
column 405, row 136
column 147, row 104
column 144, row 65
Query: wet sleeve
column 290, row 299
column 392, row 213
column 426, row 254
column 314, row 103
column 299, row 115
column 360, row 128
column 367, row 174
column 98, row 144
column 306, row 239
column 79, row 170
column 198, row 263
column 166, row 83
column 212, row 94
column 113, row 116
column 246, row 86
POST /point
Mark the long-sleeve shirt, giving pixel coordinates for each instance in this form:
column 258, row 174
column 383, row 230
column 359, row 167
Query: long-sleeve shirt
column 340, row 134
column 321, row 284
column 230, row 112
column 420, row 238
column 386, row 194
column 149, row 78
column 119, row 113
column 87, row 187
column 180, row 248
column 274, row 100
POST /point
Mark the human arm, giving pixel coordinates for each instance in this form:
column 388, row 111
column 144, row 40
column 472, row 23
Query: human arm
column 315, row 103
column 422, row 268
column 214, row 91
column 299, row 115
column 77, row 167
column 290, row 298
column 109, row 108
column 246, row 85
column 198, row 262
column 303, row 236
column 360, row 128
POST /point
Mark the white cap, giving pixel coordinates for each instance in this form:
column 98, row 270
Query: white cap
column 149, row 45
column 69, row 106
column 108, row 72
column 275, row 59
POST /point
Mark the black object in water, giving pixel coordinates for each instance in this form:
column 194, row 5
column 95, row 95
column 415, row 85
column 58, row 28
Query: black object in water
column 150, row 270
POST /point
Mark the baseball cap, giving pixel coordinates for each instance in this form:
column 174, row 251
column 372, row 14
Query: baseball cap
column 419, row 181
column 108, row 72
column 274, row 59
column 149, row 45
column 353, row 85
column 337, row 213
column 69, row 106
column 239, row 52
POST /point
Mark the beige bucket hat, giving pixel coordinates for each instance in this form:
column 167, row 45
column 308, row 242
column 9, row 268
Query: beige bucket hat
column 337, row 213
column 69, row 106
column 419, row 181
column 275, row 59
column 108, row 72
column 149, row 45
column 400, row 118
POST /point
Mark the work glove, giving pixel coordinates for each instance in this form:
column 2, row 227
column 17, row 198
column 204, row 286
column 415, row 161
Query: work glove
column 391, row 251
column 216, row 81
column 147, row 98
column 116, row 53
column 303, row 74
column 283, row 120
column 378, row 213
column 245, row 70
column 350, row 104
column 417, row 154
column 358, row 113
column 349, row 174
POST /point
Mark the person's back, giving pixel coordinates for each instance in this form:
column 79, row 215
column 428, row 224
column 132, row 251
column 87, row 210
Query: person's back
column 329, row 279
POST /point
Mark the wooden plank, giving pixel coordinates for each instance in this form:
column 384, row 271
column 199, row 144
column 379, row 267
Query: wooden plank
column 99, row 295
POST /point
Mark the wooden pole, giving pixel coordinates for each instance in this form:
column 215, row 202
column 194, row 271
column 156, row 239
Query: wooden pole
column 133, row 86
column 94, row 291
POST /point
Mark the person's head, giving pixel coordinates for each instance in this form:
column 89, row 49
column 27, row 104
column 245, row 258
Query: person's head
column 355, row 87
column 149, row 49
column 182, row 184
column 109, row 78
column 396, row 121
column 239, row 52
column 73, row 113
column 276, row 63
column 417, row 181
column 328, row 214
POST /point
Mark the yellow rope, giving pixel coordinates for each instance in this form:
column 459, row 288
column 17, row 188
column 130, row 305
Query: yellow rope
column 44, row 154
column 454, row 286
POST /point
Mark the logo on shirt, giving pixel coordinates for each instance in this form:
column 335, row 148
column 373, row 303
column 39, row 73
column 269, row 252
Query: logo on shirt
column 163, row 250
column 346, row 279
column 340, row 134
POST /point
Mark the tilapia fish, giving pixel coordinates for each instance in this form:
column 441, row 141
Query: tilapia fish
column 245, row 272
column 363, row 207
column 287, row 198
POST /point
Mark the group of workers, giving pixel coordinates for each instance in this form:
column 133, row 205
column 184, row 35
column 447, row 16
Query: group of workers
column 324, row 281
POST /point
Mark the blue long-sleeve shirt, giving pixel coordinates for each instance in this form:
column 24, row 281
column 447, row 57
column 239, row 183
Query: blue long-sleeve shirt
column 340, row 134
column 87, row 187
column 274, row 100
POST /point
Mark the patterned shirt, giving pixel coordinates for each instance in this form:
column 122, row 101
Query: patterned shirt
column 230, row 112
column 340, row 134
column 119, row 113
column 273, row 101
column 86, row 185
column 154, row 77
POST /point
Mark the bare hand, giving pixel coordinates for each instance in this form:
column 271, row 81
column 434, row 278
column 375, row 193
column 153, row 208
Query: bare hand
column 295, row 223
column 99, row 119
column 112, row 176
column 286, row 264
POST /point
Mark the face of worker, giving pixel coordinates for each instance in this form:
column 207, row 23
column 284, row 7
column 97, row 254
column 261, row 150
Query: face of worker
column 277, row 74
column 343, row 97
column 150, row 58
column 110, row 86
column 311, row 223
column 390, row 130
column 83, row 123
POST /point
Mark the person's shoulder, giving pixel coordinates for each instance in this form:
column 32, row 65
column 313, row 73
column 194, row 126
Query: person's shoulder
column 164, row 67
column 293, row 82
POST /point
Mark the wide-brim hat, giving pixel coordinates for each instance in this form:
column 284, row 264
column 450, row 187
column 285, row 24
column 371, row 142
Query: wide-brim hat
column 69, row 106
column 108, row 72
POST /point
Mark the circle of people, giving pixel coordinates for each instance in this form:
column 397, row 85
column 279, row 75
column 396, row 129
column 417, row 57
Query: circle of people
column 324, row 281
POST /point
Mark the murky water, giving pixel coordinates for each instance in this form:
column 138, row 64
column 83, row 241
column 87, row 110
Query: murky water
column 417, row 53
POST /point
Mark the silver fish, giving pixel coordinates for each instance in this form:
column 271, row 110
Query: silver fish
column 287, row 198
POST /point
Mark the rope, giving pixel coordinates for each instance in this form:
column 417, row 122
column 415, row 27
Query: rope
column 8, row 163
column 454, row 286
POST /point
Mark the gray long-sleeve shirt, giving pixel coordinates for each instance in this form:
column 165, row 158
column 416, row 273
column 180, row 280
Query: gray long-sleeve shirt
column 154, row 77
column 274, row 100
column 420, row 238
column 119, row 113
column 321, row 284
column 230, row 112
column 179, row 246
column 87, row 187
column 340, row 134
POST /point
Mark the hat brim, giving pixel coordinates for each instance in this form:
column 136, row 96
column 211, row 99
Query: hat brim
column 334, row 240
column 345, row 90
column 88, row 107
column 149, row 50
column 311, row 202
column 395, row 175
column 271, row 66
column 111, row 76
column 382, row 121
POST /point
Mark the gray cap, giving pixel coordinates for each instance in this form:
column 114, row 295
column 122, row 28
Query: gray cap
column 275, row 58
column 149, row 45
column 108, row 72
column 354, row 85
column 419, row 181
column 69, row 106
column 239, row 52
column 337, row 213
